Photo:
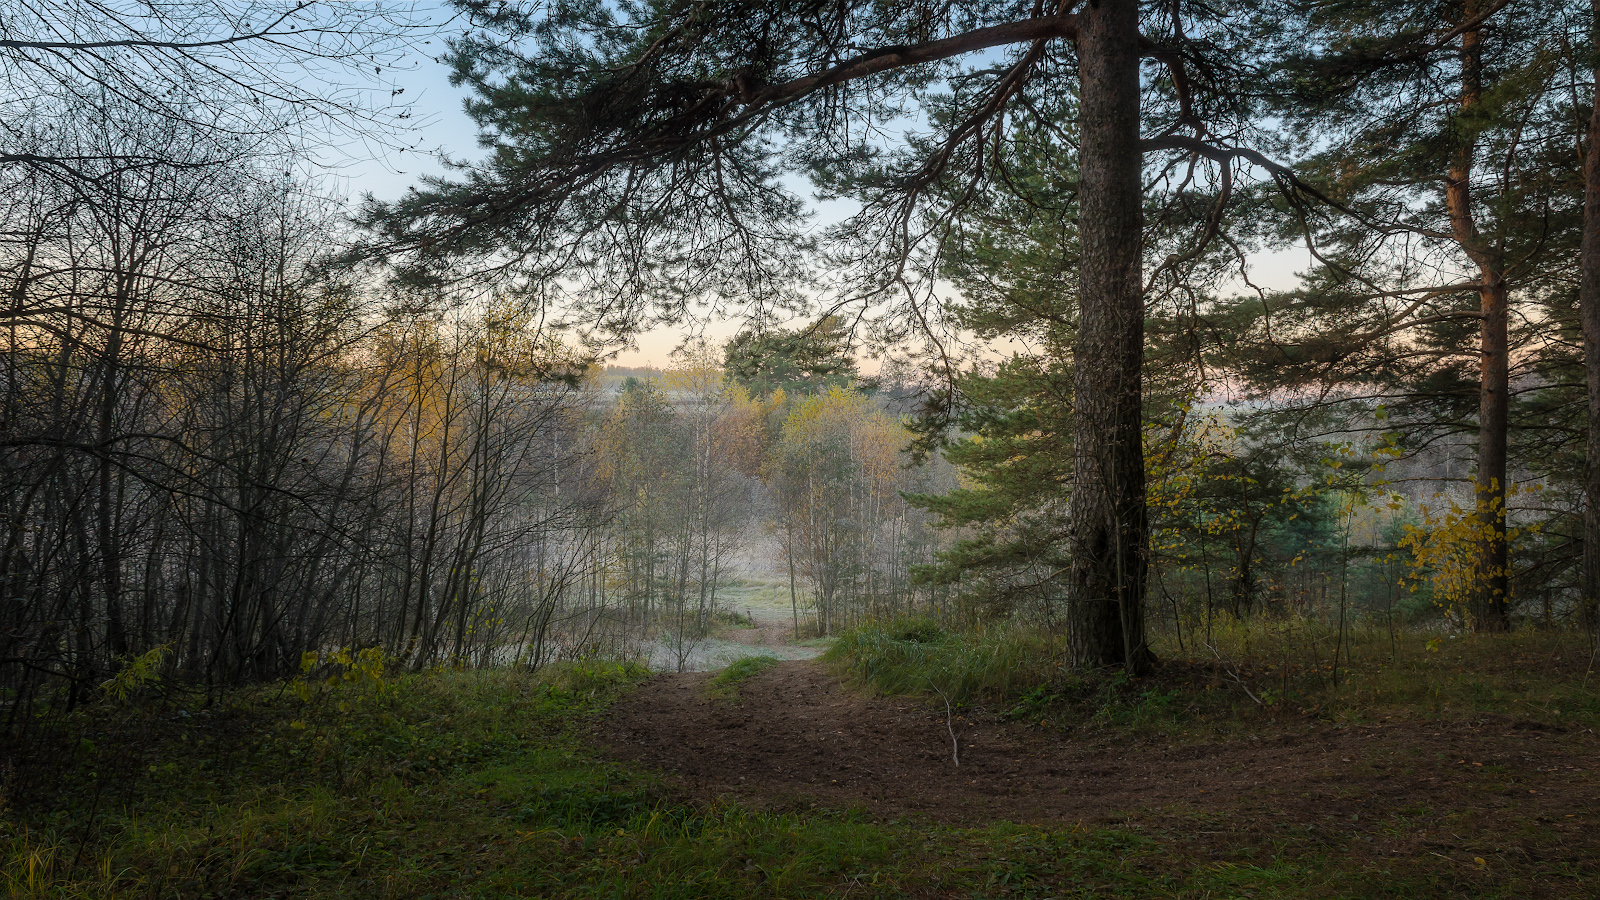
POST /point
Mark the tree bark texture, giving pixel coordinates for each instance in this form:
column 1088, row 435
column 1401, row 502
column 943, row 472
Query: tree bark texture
column 1589, row 310
column 1494, row 400
column 1109, row 531
column 1491, row 603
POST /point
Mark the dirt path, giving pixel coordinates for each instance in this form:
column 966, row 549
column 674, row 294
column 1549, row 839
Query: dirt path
column 797, row 739
column 776, row 637
column 766, row 604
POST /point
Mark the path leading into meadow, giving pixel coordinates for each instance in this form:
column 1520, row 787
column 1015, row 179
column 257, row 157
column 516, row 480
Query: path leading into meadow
column 798, row 739
column 771, row 633
column 756, row 592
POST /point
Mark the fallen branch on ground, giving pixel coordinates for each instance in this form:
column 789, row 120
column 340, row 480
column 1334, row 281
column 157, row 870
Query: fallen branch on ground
column 949, row 724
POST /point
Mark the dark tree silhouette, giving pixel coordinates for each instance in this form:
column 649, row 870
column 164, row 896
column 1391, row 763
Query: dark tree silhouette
column 251, row 76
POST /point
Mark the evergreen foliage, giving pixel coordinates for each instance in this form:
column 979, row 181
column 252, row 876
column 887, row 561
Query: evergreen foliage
column 801, row 362
column 1442, row 284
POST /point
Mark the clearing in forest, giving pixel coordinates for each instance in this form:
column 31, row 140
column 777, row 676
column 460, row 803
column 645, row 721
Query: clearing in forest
column 796, row 738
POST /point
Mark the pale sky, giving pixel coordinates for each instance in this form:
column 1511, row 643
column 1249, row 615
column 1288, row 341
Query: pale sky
column 443, row 127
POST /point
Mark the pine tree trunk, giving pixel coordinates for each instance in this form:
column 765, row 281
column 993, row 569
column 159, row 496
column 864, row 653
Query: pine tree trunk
column 1108, row 512
column 1493, row 612
column 1491, row 605
column 1589, row 309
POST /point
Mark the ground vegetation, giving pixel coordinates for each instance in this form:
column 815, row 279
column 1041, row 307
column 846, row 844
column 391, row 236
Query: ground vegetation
column 335, row 558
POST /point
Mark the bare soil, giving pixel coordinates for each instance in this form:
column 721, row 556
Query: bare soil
column 797, row 738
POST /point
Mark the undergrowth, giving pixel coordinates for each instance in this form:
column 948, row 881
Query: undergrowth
column 916, row 656
column 482, row 785
column 1240, row 676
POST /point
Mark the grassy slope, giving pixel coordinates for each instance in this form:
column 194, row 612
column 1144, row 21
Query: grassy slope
column 1243, row 679
column 480, row 785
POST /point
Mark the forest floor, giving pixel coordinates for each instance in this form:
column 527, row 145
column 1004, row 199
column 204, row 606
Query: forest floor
column 1466, row 795
column 1460, row 768
column 1455, row 774
column 797, row 738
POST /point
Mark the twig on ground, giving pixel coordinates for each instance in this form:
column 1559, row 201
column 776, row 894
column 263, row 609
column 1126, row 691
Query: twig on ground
column 949, row 724
column 1227, row 666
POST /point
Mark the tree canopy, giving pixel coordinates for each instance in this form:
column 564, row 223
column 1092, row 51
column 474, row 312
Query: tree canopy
column 637, row 153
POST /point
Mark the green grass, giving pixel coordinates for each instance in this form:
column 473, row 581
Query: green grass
column 1241, row 678
column 917, row 656
column 446, row 785
column 1420, row 675
column 726, row 682
column 750, row 600
column 484, row 785
column 739, row 594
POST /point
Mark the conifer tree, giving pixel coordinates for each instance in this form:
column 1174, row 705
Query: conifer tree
column 1440, row 136
column 1589, row 313
column 637, row 149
